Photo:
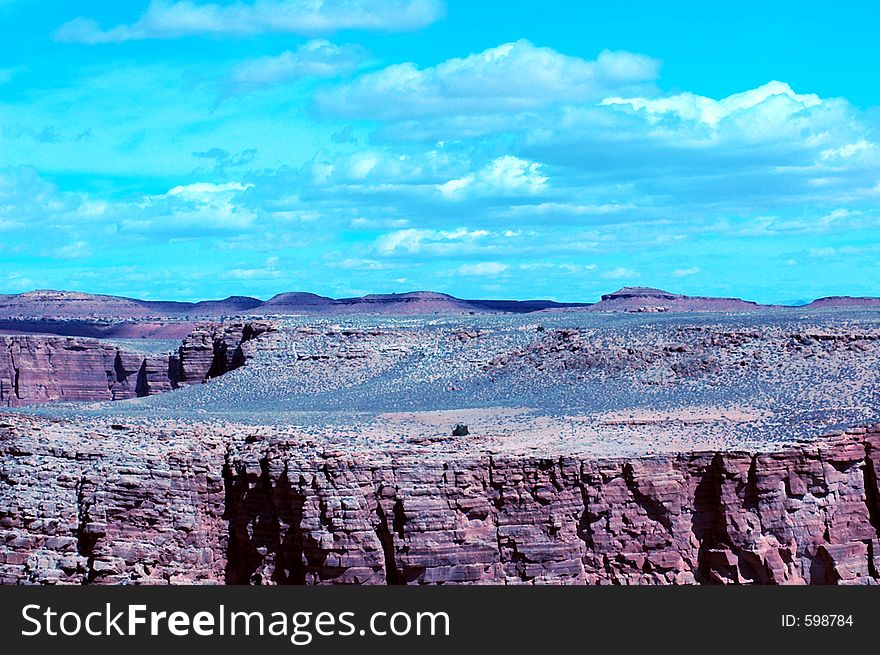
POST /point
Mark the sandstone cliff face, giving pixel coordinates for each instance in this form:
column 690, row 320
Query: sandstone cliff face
column 171, row 506
column 109, row 507
column 801, row 515
column 36, row 369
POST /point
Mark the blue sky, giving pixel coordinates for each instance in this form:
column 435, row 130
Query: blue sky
column 189, row 150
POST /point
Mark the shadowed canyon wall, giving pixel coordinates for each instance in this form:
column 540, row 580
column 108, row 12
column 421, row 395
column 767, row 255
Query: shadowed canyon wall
column 36, row 368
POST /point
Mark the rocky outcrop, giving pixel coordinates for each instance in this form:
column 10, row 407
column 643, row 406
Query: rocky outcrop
column 217, row 348
column 36, row 369
column 170, row 505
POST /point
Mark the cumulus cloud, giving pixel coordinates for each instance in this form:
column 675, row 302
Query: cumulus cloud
column 585, row 151
column 548, row 159
column 225, row 161
column 316, row 58
column 165, row 19
column 202, row 207
column 777, row 97
column 511, row 77
column 504, row 175
column 847, row 150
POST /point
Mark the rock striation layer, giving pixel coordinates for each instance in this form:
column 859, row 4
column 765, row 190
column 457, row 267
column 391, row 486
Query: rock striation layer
column 36, row 369
column 119, row 505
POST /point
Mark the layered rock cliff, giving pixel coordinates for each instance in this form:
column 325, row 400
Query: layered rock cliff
column 166, row 505
column 809, row 514
column 113, row 506
column 37, row 368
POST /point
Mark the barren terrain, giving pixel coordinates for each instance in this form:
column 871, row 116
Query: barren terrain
column 745, row 447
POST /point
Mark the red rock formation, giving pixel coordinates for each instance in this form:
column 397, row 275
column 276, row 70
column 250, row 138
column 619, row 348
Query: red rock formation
column 214, row 349
column 36, row 369
column 801, row 515
column 178, row 506
column 110, row 507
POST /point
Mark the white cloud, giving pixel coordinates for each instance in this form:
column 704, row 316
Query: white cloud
column 823, row 252
column 504, row 175
column 686, row 272
column 359, row 264
column 481, row 269
column 847, row 150
column 777, row 97
column 578, row 268
column 206, row 191
column 202, row 206
column 316, row 58
column 565, row 209
column 28, row 201
column 511, row 77
column 414, row 240
column 165, row 19
column 620, row 274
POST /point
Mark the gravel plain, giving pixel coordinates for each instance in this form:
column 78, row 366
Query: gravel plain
column 544, row 382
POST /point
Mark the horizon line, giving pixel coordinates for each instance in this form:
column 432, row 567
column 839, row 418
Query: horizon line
column 137, row 298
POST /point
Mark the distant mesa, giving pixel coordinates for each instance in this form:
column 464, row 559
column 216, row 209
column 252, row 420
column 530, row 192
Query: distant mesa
column 641, row 292
column 71, row 306
column 84, row 314
column 416, row 302
column 646, row 299
column 412, row 303
column 831, row 302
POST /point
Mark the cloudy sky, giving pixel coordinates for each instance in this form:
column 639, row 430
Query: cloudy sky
column 188, row 149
